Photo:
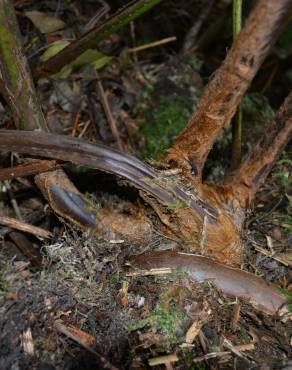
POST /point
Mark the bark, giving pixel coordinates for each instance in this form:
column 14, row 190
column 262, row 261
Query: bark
column 244, row 182
column 222, row 95
column 90, row 40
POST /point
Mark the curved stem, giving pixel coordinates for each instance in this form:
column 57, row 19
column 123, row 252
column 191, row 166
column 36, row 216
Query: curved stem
column 231, row 281
column 105, row 159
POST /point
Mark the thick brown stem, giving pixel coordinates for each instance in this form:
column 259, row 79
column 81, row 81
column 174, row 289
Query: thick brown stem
column 223, row 93
column 17, row 86
column 246, row 180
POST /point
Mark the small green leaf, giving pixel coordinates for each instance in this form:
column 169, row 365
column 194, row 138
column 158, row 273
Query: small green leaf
column 103, row 61
column 44, row 22
column 89, row 57
column 53, row 49
column 285, row 293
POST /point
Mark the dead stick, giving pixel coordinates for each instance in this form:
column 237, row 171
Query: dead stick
column 23, row 226
column 210, row 355
column 191, row 37
column 163, row 360
column 13, row 200
column 28, row 169
column 152, row 44
column 108, row 113
column 64, row 330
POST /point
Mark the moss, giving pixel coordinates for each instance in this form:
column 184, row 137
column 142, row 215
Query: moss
column 168, row 321
column 137, row 325
column 257, row 114
column 7, row 44
column 167, row 119
column 178, row 203
column 165, row 319
column 4, row 284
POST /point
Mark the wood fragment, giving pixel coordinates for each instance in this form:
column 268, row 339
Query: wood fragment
column 123, row 294
column 275, row 257
column 193, row 331
column 78, row 335
column 108, row 113
column 200, row 320
column 245, row 347
column 28, row 169
column 160, row 360
column 152, row 44
column 227, row 343
column 241, row 347
column 13, row 200
column 23, row 226
column 75, row 120
column 27, row 342
column 235, row 316
column 83, row 339
column 151, row 272
column 210, row 355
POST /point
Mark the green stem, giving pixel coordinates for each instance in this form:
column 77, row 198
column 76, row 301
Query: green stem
column 237, row 120
column 236, row 17
column 90, row 40
column 17, row 85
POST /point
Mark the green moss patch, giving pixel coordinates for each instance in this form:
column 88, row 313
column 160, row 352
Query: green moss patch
column 161, row 126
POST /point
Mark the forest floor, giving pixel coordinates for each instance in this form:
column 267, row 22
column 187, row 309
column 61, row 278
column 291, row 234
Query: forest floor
column 73, row 301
